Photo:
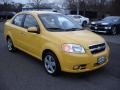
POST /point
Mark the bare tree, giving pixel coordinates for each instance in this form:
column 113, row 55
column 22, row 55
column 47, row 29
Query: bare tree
column 71, row 3
column 37, row 3
column 77, row 5
column 115, row 7
column 5, row 1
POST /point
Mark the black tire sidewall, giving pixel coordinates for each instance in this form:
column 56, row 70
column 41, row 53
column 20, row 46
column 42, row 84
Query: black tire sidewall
column 84, row 23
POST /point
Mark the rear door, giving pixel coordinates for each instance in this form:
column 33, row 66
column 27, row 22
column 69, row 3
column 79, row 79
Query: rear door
column 16, row 29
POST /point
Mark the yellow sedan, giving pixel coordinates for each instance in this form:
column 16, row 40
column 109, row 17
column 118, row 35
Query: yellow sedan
column 57, row 40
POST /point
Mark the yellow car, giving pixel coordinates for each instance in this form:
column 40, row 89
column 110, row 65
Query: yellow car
column 57, row 40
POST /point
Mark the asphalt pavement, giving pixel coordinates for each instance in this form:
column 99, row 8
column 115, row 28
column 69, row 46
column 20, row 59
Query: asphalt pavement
column 20, row 71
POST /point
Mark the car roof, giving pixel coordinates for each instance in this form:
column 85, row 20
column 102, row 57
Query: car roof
column 74, row 15
column 39, row 12
column 113, row 16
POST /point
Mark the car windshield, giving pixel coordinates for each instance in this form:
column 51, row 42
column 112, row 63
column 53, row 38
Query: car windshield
column 59, row 22
column 111, row 18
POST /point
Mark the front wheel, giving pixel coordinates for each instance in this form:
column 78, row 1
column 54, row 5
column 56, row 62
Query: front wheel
column 51, row 64
column 84, row 24
column 114, row 31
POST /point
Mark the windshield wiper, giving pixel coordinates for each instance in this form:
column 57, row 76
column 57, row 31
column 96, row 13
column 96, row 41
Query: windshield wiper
column 73, row 29
column 54, row 28
column 61, row 29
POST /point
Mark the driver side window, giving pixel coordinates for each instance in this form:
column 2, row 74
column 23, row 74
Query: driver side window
column 30, row 21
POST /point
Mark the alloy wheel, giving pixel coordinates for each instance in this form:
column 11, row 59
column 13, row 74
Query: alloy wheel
column 50, row 64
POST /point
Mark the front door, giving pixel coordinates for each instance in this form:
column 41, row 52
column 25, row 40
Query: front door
column 32, row 41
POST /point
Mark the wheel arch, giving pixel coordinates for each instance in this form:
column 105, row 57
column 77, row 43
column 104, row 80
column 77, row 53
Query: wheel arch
column 49, row 50
column 7, row 37
column 56, row 53
column 46, row 51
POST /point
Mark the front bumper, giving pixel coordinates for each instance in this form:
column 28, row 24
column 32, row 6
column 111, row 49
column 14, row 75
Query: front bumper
column 76, row 63
column 101, row 29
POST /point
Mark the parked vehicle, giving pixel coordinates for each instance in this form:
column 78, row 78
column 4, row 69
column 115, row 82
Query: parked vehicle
column 110, row 24
column 6, row 15
column 83, row 21
column 56, row 40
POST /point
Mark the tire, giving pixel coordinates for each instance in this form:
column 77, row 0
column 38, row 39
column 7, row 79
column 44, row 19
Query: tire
column 51, row 64
column 114, row 31
column 84, row 23
column 10, row 45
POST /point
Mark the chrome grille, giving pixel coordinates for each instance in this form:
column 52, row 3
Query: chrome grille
column 97, row 48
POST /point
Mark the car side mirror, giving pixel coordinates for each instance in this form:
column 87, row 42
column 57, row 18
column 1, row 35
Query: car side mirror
column 33, row 29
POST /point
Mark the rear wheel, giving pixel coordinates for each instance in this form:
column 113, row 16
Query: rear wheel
column 51, row 64
column 84, row 23
column 10, row 45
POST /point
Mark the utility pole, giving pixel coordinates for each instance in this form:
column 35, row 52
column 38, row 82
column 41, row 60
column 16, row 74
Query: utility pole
column 83, row 7
column 78, row 7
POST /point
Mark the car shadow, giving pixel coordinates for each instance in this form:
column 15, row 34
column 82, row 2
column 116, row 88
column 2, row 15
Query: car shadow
column 83, row 74
column 26, row 56
column 63, row 75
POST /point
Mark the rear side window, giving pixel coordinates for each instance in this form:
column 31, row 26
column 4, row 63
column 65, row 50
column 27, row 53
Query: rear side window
column 18, row 20
column 77, row 16
column 30, row 21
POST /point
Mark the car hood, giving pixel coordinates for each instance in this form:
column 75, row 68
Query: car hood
column 83, row 37
column 102, row 22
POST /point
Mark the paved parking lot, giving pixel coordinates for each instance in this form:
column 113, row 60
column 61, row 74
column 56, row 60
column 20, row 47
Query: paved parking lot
column 19, row 71
column 112, row 38
column 1, row 27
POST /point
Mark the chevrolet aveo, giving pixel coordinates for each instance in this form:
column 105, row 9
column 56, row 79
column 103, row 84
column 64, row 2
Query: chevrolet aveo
column 57, row 40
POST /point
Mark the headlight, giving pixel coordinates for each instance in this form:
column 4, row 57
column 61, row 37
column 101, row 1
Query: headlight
column 107, row 27
column 104, row 23
column 73, row 48
column 110, row 27
column 96, row 27
column 92, row 22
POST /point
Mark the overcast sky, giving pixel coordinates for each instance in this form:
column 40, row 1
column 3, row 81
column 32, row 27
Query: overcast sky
column 20, row 1
column 26, row 1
